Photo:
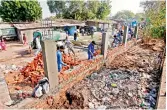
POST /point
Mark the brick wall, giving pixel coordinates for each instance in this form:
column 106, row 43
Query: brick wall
column 86, row 68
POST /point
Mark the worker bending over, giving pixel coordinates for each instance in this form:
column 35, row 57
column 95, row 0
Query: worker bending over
column 60, row 62
column 69, row 46
column 91, row 50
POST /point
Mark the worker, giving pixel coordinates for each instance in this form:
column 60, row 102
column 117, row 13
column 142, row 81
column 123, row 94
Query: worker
column 38, row 45
column 82, row 31
column 24, row 39
column 75, row 36
column 116, row 41
column 69, row 45
column 60, row 63
column 91, row 50
column 2, row 43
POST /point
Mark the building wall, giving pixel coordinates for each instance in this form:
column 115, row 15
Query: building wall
column 28, row 33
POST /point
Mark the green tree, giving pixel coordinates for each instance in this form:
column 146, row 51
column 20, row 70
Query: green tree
column 80, row 9
column 56, row 7
column 139, row 16
column 155, row 12
column 16, row 10
column 104, row 9
column 124, row 15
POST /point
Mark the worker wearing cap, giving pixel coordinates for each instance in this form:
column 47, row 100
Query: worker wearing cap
column 60, row 62
column 91, row 50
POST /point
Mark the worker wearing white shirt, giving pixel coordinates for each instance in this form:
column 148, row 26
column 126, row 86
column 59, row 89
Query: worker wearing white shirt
column 38, row 45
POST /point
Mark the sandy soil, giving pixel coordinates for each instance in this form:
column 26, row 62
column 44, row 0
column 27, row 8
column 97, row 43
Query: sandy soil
column 16, row 54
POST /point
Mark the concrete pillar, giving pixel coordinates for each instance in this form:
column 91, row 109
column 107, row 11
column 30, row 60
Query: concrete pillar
column 136, row 32
column 103, row 25
column 104, row 47
column 4, row 92
column 50, row 62
column 125, row 37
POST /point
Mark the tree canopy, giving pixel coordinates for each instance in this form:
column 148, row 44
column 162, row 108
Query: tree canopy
column 155, row 12
column 128, row 15
column 124, row 15
column 80, row 10
column 17, row 10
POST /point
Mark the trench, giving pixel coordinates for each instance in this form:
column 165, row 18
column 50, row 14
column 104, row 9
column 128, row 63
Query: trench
column 131, row 81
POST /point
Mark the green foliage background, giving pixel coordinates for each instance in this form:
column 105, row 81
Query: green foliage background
column 155, row 12
column 19, row 10
column 80, row 9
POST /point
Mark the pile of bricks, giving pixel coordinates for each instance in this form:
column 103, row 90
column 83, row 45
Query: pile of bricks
column 34, row 71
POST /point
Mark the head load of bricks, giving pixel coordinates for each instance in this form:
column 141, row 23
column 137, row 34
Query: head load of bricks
column 82, row 68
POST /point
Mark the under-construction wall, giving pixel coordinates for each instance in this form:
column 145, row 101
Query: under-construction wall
column 84, row 69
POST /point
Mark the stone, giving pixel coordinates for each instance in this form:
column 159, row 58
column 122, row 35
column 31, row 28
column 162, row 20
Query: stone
column 102, row 107
column 2, row 67
column 130, row 94
column 9, row 103
column 115, row 91
column 141, row 70
column 91, row 105
column 6, row 71
column 13, row 67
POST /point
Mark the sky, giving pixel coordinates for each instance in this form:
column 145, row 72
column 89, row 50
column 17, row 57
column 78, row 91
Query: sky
column 117, row 5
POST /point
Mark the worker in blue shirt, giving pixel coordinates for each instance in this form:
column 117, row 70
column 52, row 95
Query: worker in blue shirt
column 91, row 50
column 60, row 63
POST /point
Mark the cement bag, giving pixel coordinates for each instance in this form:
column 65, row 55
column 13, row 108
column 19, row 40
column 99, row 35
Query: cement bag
column 45, row 88
column 42, row 88
column 37, row 91
column 44, row 83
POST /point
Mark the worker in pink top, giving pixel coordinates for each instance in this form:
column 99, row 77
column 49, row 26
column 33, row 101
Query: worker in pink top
column 2, row 44
column 24, row 39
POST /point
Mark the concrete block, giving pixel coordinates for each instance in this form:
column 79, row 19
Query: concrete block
column 50, row 62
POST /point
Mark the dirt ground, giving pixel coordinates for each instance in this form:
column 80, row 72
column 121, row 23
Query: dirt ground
column 16, row 54
column 131, row 81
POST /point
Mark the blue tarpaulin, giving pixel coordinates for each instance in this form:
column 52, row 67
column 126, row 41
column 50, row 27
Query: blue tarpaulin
column 134, row 23
column 70, row 30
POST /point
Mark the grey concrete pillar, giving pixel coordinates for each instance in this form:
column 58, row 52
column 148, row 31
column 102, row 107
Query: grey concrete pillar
column 50, row 62
column 4, row 92
column 136, row 32
column 104, row 47
column 125, row 36
column 103, row 25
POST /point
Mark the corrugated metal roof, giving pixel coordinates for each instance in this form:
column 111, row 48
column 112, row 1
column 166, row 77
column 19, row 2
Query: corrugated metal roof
column 39, row 25
column 3, row 26
column 28, row 26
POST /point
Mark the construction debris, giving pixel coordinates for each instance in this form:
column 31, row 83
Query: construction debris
column 131, row 82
